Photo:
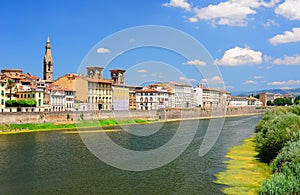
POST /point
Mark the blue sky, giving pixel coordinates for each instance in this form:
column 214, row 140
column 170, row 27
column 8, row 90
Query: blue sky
column 255, row 43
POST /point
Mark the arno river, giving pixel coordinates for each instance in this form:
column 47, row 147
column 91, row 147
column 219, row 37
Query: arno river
column 57, row 162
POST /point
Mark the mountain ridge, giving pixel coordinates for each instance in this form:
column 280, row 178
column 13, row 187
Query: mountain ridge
column 295, row 92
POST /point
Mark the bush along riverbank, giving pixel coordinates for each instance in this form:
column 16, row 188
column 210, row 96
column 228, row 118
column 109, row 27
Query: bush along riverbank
column 277, row 140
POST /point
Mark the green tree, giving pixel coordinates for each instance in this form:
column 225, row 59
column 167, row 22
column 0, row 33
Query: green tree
column 282, row 101
column 270, row 103
column 297, row 100
column 10, row 85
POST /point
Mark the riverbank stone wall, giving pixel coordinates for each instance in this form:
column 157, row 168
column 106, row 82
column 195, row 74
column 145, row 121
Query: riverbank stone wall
column 45, row 117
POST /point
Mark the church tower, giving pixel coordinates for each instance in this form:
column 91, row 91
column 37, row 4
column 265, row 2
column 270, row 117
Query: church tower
column 48, row 63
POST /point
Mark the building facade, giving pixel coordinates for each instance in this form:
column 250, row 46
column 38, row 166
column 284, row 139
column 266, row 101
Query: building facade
column 181, row 95
column 213, row 98
column 151, row 99
column 120, row 97
column 198, row 94
column 265, row 97
column 2, row 95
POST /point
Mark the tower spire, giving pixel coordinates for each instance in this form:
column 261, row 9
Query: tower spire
column 48, row 62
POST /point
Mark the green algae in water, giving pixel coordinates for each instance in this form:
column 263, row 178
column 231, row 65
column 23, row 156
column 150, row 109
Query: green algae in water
column 245, row 173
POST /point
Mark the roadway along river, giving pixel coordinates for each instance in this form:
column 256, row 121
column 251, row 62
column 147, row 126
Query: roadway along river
column 59, row 163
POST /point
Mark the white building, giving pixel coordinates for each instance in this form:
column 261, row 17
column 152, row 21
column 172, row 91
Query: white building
column 213, row 98
column 151, row 99
column 69, row 100
column 198, row 94
column 244, row 101
column 57, row 99
column 183, row 95
column 238, row 101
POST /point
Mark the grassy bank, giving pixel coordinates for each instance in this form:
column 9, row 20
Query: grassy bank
column 33, row 127
column 269, row 163
column 245, row 173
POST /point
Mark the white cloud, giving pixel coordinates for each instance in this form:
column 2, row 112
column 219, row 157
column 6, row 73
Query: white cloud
column 271, row 3
column 229, row 87
column 288, row 60
column 193, row 19
column 229, row 13
column 178, row 3
column 250, row 82
column 286, row 37
column 158, row 75
column 289, row 82
column 192, row 80
column 142, row 71
column 203, row 80
column 270, row 23
column 289, row 9
column 240, row 56
column 213, row 80
column 103, row 50
column 132, row 40
column 258, row 77
column 196, row 62
column 267, row 58
column 182, row 78
column 232, row 12
column 217, row 79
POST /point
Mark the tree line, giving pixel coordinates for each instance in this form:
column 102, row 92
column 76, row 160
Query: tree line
column 277, row 140
column 283, row 102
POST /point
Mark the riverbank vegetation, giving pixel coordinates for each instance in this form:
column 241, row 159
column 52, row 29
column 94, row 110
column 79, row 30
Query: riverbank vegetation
column 277, row 139
column 245, row 173
column 70, row 125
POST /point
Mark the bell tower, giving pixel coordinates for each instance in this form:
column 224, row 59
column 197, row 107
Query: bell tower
column 48, row 63
column 118, row 76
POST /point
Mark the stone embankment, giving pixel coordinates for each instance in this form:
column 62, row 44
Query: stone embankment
column 43, row 117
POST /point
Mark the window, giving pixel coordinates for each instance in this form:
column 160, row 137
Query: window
column 39, row 94
column 2, row 85
column 2, row 92
column 40, row 102
column 2, row 101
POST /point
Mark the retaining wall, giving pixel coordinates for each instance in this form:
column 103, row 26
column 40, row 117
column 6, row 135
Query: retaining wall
column 41, row 117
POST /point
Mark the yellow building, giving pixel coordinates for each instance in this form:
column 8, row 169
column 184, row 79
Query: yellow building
column 99, row 94
column 120, row 97
column 93, row 90
column 76, row 83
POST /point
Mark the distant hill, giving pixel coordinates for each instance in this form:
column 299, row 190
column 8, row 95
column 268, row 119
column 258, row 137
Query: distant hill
column 294, row 92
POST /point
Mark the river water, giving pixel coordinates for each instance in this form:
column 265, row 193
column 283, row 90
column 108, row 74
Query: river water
column 57, row 162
